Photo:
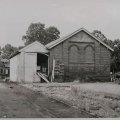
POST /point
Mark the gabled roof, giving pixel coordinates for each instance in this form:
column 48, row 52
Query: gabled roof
column 38, row 48
column 33, row 47
column 58, row 41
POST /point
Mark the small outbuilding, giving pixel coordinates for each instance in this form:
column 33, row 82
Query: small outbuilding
column 4, row 68
column 79, row 55
column 25, row 63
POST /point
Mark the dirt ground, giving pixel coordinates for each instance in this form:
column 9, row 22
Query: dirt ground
column 100, row 99
column 19, row 102
column 108, row 87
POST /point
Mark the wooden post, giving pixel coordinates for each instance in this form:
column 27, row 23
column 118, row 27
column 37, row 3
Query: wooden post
column 52, row 77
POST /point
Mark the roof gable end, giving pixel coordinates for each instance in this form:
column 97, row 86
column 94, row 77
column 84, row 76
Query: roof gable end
column 34, row 47
column 56, row 42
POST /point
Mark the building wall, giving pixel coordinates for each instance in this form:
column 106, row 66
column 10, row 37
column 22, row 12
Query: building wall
column 24, row 65
column 14, row 68
column 30, row 67
column 17, row 68
column 21, row 67
column 82, row 54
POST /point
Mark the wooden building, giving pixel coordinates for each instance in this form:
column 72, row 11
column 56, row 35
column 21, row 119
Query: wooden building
column 25, row 63
column 79, row 55
column 4, row 68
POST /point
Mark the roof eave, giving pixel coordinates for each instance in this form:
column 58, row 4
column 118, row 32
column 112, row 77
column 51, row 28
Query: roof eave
column 14, row 55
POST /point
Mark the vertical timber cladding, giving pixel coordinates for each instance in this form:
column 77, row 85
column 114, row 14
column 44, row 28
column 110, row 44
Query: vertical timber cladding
column 30, row 66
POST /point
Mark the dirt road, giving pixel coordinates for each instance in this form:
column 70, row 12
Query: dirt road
column 19, row 102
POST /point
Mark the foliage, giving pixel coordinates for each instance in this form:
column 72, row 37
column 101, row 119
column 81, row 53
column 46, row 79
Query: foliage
column 99, row 35
column 115, row 61
column 38, row 32
column 20, row 47
column 103, row 38
column 7, row 50
column 115, row 44
column 115, row 56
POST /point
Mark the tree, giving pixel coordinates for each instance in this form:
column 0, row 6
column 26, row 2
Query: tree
column 109, row 43
column 20, row 47
column 115, row 61
column 38, row 32
column 115, row 44
column 7, row 50
column 98, row 34
column 52, row 34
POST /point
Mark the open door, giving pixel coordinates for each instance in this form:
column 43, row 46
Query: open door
column 42, row 67
column 30, row 66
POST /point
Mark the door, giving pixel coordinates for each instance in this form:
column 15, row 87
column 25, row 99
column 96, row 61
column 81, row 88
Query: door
column 30, row 66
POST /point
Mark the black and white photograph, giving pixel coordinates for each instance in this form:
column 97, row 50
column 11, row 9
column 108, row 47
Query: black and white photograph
column 60, row 59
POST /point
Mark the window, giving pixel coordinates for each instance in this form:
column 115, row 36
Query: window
column 89, row 54
column 73, row 54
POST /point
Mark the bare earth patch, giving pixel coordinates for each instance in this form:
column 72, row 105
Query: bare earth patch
column 17, row 101
column 101, row 99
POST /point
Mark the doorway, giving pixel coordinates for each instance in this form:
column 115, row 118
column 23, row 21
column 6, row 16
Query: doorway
column 42, row 63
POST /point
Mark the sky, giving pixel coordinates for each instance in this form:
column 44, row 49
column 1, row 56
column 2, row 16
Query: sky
column 66, row 15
